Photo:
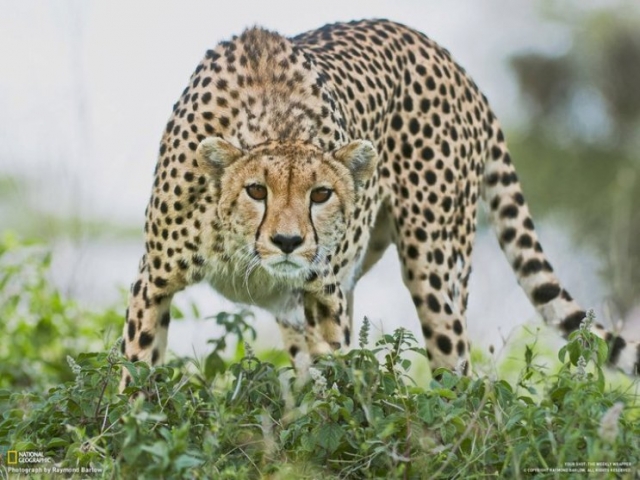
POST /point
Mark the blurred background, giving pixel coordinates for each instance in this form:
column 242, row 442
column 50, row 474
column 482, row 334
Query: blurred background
column 86, row 89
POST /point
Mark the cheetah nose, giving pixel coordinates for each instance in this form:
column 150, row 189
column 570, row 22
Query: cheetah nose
column 287, row 243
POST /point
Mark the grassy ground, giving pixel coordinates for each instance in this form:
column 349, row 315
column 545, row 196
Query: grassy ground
column 244, row 415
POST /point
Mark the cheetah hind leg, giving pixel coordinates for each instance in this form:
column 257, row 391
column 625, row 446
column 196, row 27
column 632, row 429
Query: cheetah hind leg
column 441, row 308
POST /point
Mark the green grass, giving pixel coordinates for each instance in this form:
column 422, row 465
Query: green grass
column 358, row 415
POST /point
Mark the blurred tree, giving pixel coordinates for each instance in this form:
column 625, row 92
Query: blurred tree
column 583, row 110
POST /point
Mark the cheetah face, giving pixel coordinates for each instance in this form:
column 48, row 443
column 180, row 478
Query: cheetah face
column 286, row 204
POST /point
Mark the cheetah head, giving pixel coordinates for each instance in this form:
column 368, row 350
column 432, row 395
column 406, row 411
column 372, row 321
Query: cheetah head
column 286, row 204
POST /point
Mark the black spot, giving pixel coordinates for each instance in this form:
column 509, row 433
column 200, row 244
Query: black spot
column 136, row 288
column 434, row 281
column 396, row 122
column 427, row 153
column 444, row 344
column 572, row 322
column 460, row 348
column 417, row 301
column 528, row 223
column 414, row 126
column 165, row 320
column 293, row 351
column 457, row 327
column 509, row 211
column 448, row 175
column 145, row 339
column 433, row 303
column 531, row 266
column 492, row 179
column 310, row 318
column 427, row 331
column 545, row 293
column 391, row 144
column 421, row 235
column 525, row 241
column 412, row 252
column 508, row 235
column 131, row 330
column 519, row 198
column 154, row 356
column 407, row 104
column 615, row 348
column 221, row 84
column 430, row 177
column 134, row 358
column 407, row 150
column 347, row 336
column 323, row 311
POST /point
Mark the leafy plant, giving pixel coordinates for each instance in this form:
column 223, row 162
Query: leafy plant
column 357, row 415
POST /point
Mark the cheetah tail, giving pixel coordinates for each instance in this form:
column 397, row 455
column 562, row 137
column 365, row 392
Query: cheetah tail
column 514, row 228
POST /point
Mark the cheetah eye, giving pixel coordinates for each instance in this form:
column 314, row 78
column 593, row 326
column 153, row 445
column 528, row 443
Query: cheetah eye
column 257, row 192
column 321, row 195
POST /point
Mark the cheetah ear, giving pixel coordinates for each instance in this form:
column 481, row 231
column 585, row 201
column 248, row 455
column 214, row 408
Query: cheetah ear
column 217, row 152
column 360, row 157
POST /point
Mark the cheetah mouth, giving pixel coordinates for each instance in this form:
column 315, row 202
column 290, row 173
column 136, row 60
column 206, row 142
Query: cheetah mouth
column 285, row 267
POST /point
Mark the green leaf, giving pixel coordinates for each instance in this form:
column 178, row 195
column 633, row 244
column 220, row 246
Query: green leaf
column 214, row 365
column 176, row 313
column 57, row 442
column 158, row 449
column 602, row 351
column 308, row 443
column 575, row 351
column 185, row 461
column 329, row 436
column 562, row 353
column 444, row 393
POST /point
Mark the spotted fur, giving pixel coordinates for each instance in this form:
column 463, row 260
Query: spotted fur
column 381, row 118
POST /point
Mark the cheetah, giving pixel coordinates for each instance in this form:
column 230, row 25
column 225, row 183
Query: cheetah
column 288, row 167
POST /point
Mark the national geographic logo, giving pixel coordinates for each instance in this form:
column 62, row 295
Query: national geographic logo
column 15, row 457
column 12, row 457
column 8, row 457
